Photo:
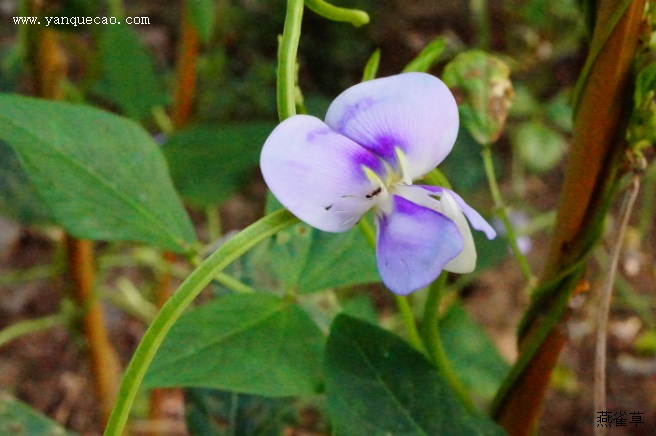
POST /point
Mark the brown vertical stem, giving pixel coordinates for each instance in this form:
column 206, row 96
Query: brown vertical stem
column 50, row 69
column 186, row 73
column 596, row 155
column 50, row 65
column 104, row 362
column 182, row 109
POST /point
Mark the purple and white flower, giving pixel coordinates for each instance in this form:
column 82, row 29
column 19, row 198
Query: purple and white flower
column 377, row 138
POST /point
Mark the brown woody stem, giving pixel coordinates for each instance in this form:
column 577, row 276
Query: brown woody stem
column 103, row 359
column 596, row 156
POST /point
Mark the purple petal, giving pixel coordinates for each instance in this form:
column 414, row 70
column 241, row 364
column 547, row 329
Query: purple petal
column 414, row 244
column 475, row 219
column 465, row 262
column 320, row 175
column 414, row 112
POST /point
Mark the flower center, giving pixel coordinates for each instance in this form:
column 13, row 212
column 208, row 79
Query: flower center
column 394, row 177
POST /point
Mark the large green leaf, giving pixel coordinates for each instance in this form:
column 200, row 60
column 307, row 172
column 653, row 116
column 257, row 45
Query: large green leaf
column 210, row 412
column 250, row 343
column 210, row 163
column 101, row 176
column 18, row 200
column 376, row 384
column 128, row 78
column 474, row 356
column 310, row 260
column 19, row 419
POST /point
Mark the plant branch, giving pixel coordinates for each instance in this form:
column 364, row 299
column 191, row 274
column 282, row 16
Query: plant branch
column 503, row 215
column 180, row 300
column 286, row 86
column 434, row 345
column 104, row 361
column 603, row 308
column 353, row 16
column 29, row 326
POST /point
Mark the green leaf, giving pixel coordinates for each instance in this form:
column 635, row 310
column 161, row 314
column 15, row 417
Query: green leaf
column 127, row 76
column 540, row 147
column 481, row 84
column 560, row 112
column 471, row 352
column 18, row 419
column 376, row 384
column 310, row 260
column 642, row 125
column 18, row 200
column 490, row 253
column 248, row 343
column 103, row 179
column 201, row 14
column 211, row 413
column 427, row 57
column 466, row 153
column 209, row 164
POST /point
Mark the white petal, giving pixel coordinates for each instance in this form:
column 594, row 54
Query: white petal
column 465, row 262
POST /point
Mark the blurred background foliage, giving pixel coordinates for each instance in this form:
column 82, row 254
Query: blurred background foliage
column 131, row 70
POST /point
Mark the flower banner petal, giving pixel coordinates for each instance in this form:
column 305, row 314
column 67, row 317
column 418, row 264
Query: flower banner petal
column 414, row 244
column 322, row 177
column 413, row 112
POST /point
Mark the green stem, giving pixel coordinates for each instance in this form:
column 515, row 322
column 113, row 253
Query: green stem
column 286, row 86
column 409, row 322
column 434, row 345
column 479, row 9
column 214, row 229
column 234, row 284
column 402, row 302
column 503, row 214
column 368, row 232
column 179, row 301
column 116, row 8
column 40, row 272
column 334, row 13
column 28, row 326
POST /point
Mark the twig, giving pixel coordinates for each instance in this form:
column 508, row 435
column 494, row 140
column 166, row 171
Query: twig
column 604, row 305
